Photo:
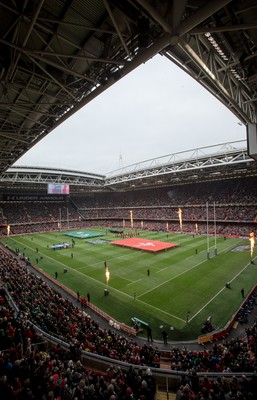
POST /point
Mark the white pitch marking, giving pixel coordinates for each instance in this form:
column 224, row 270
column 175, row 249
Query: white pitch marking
column 176, row 276
column 135, row 282
column 198, row 312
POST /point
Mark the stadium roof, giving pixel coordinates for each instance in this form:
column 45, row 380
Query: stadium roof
column 56, row 56
column 212, row 163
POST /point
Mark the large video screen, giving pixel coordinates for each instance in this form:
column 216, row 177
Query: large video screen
column 53, row 188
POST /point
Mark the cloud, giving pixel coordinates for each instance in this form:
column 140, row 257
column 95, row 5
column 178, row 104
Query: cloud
column 156, row 110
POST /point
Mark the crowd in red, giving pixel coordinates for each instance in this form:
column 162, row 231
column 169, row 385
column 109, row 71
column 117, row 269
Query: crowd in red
column 232, row 204
column 31, row 369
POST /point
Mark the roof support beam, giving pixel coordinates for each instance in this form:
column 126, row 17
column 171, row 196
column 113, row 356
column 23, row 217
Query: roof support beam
column 38, row 9
column 116, row 27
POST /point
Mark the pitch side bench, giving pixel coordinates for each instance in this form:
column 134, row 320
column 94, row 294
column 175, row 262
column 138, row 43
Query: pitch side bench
column 139, row 322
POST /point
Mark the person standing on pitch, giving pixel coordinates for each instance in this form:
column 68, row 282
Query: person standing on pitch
column 165, row 337
column 149, row 334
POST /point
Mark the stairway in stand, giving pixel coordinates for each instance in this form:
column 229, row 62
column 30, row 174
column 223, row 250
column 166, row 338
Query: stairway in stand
column 162, row 395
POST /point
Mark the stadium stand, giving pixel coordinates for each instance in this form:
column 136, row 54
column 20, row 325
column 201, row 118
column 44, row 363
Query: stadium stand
column 30, row 366
column 235, row 210
column 33, row 366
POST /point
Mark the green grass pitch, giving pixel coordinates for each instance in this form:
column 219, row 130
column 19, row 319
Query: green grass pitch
column 183, row 289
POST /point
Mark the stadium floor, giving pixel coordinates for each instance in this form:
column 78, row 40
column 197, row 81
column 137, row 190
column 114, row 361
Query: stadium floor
column 237, row 332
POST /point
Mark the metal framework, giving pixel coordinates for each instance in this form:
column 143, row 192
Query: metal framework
column 206, row 163
column 226, row 161
column 26, row 176
column 56, row 56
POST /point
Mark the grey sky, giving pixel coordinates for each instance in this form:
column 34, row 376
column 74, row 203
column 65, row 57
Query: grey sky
column 154, row 111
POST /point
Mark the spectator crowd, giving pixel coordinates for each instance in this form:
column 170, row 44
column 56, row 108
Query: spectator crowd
column 232, row 204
